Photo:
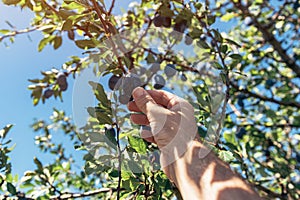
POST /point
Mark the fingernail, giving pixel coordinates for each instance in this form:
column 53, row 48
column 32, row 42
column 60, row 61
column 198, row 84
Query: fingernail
column 138, row 92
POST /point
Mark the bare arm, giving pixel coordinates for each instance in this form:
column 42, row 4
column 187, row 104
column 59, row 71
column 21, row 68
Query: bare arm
column 207, row 178
column 195, row 170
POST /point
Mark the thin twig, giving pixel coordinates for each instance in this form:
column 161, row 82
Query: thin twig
column 82, row 195
column 144, row 34
column 120, row 162
column 14, row 33
column 51, row 8
column 111, row 7
column 108, row 34
column 264, row 98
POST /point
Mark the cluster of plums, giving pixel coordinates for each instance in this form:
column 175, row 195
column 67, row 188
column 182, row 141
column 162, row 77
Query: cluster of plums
column 61, row 81
column 165, row 21
column 126, row 84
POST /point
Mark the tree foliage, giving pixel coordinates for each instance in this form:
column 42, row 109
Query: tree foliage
column 257, row 59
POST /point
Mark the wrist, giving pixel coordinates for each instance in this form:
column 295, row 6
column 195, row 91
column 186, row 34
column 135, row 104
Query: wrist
column 178, row 167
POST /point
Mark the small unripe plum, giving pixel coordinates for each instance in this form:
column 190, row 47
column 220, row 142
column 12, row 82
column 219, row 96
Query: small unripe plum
column 159, row 82
column 241, row 133
column 202, row 37
column 124, row 99
column 130, row 82
column 111, row 132
column 71, row 35
column 170, row 70
column 61, row 79
column 142, row 70
column 183, row 77
column 158, row 20
column 48, row 93
column 167, row 22
column 113, row 80
column 188, row 40
column 248, row 21
column 240, row 102
column 270, row 82
column 155, row 67
column 180, row 26
column 63, row 87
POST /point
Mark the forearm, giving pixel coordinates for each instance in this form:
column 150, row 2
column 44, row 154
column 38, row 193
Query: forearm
column 208, row 177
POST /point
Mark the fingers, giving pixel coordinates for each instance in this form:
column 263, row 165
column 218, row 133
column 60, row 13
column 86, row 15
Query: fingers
column 146, row 134
column 164, row 98
column 143, row 100
column 160, row 97
column 133, row 107
column 139, row 119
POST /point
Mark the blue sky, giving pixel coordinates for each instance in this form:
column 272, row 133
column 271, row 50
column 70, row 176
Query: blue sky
column 20, row 62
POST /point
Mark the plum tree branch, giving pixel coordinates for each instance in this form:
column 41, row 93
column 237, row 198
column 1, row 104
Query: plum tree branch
column 270, row 193
column 264, row 98
column 111, row 7
column 76, row 25
column 270, row 38
column 82, row 195
column 108, row 34
column 51, row 8
column 14, row 33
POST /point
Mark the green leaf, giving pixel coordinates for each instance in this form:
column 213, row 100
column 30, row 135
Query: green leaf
column 11, row 188
column 150, row 58
column 224, row 49
column 5, row 130
column 85, row 44
column 45, row 41
column 211, row 19
column 138, row 144
column 36, row 94
column 217, row 65
column 102, row 116
column 134, row 183
column 36, row 101
column 100, row 93
column 230, row 138
column 229, row 41
column 11, row 2
column 67, row 25
column 203, row 44
column 202, row 132
column 236, row 56
column 227, row 156
column 218, row 36
column 198, row 5
column 111, row 136
column 134, row 167
column 64, row 14
column 57, row 42
column 195, row 33
column 4, row 31
column 228, row 16
column 38, row 164
column 93, row 137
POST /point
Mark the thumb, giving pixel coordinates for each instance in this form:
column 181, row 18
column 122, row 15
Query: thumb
column 143, row 100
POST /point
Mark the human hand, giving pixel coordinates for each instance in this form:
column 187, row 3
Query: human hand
column 172, row 122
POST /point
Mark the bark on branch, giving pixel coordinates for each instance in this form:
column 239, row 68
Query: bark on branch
column 82, row 195
column 264, row 98
column 270, row 38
